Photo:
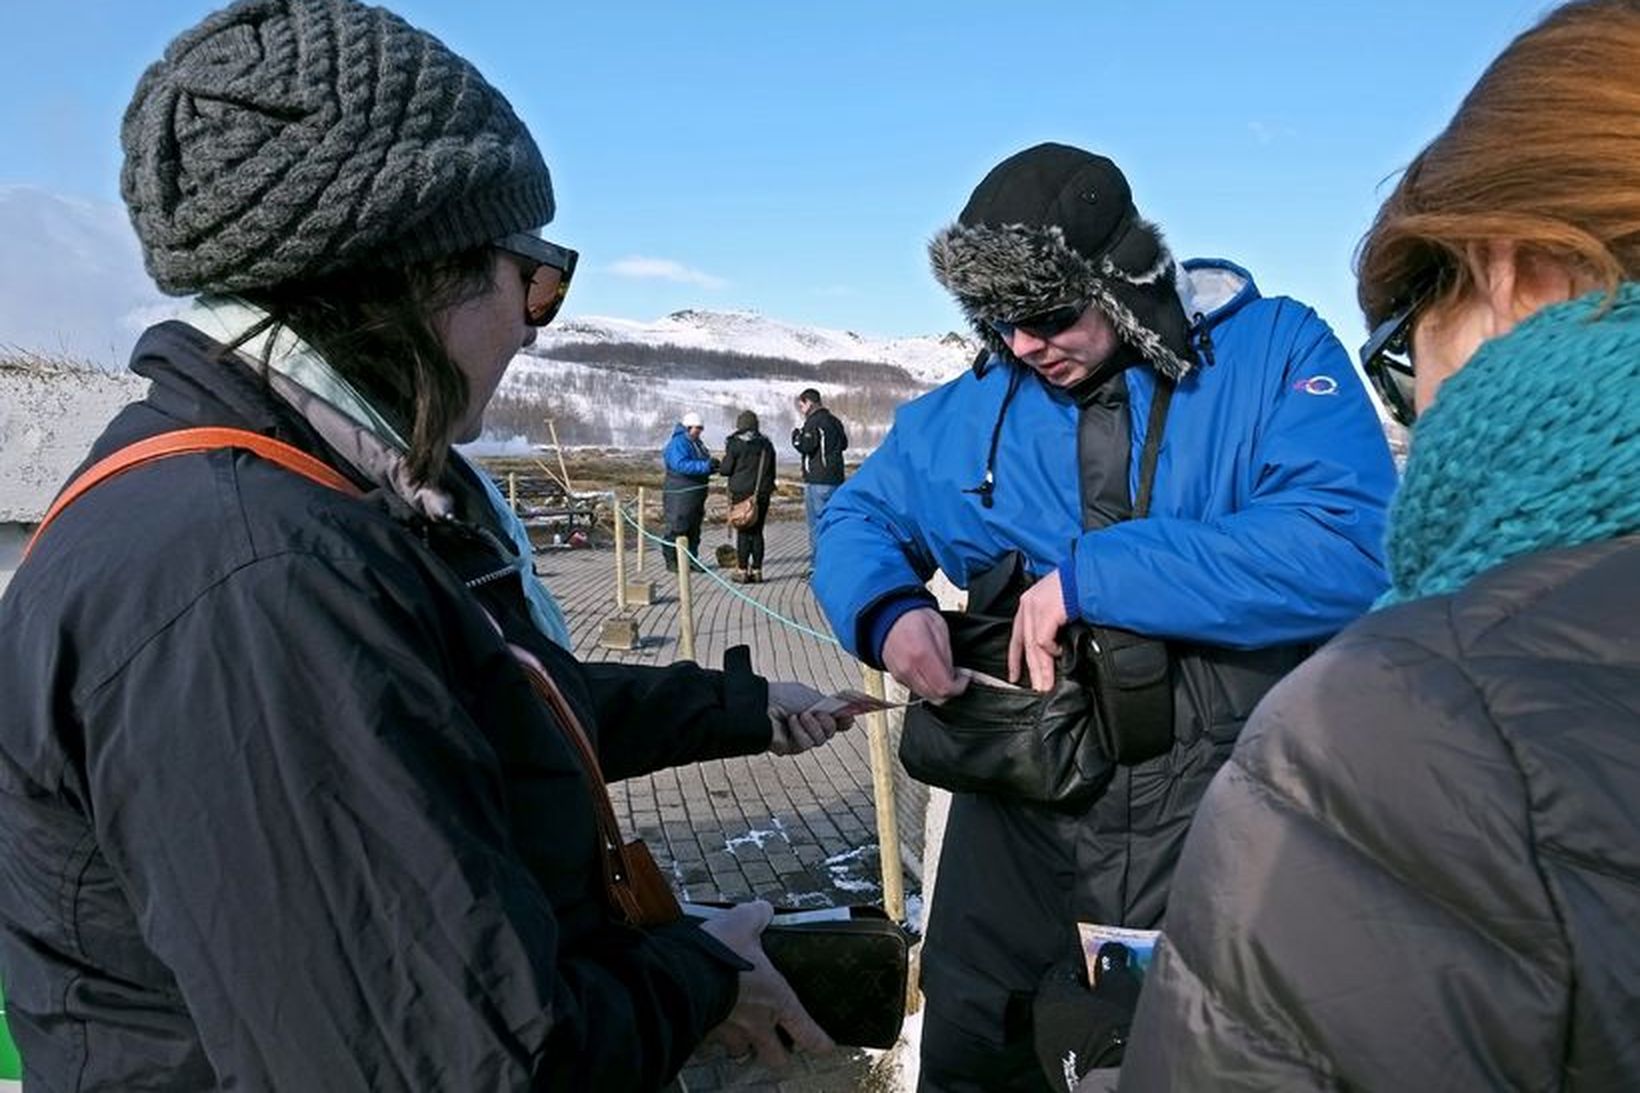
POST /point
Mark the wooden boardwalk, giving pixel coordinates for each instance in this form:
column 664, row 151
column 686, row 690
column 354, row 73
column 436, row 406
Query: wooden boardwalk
column 799, row 831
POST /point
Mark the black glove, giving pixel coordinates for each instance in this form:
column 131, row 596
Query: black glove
column 716, row 463
column 1079, row 1029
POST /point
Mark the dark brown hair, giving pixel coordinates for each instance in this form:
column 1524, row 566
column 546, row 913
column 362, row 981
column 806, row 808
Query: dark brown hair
column 1544, row 152
column 375, row 327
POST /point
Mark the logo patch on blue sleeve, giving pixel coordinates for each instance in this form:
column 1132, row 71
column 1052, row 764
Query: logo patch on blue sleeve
column 1317, row 385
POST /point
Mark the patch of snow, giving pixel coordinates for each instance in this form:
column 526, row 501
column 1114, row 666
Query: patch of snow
column 757, row 837
column 904, row 1058
column 840, row 866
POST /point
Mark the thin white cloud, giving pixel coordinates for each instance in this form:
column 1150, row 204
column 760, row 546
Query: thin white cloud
column 664, row 269
column 1267, row 133
column 71, row 278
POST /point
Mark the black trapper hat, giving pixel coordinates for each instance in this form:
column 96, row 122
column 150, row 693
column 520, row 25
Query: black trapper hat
column 1054, row 226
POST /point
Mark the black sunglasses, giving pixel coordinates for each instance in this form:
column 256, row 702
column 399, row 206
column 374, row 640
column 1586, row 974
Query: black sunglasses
column 1043, row 326
column 1386, row 358
column 548, row 269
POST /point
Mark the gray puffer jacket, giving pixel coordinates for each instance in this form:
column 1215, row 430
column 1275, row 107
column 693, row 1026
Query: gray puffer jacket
column 1421, row 868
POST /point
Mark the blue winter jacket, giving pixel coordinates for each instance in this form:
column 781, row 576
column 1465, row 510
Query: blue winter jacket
column 1267, row 519
column 686, row 456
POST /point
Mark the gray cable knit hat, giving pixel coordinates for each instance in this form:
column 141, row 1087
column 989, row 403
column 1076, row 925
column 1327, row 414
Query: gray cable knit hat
column 284, row 139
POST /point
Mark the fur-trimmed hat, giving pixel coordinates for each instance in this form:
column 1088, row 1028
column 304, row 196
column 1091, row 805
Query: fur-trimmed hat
column 1055, row 226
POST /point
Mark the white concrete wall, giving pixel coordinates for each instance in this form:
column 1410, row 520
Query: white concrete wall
column 12, row 538
column 48, row 418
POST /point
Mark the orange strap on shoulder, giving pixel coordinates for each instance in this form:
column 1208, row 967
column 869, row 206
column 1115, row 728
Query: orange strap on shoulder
column 181, row 442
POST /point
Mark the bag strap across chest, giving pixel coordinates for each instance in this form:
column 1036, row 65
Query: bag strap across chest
column 183, row 442
column 1103, row 453
column 1131, row 674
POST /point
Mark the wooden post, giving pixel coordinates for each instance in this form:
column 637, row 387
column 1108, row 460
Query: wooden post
column 882, row 792
column 620, row 555
column 686, row 619
column 562, row 469
column 512, row 491
column 552, row 476
column 641, row 536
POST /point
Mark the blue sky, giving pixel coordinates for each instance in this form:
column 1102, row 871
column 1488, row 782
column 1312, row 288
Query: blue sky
column 795, row 158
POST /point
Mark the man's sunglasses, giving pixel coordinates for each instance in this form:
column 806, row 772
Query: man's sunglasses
column 547, row 271
column 1043, row 326
column 1386, row 357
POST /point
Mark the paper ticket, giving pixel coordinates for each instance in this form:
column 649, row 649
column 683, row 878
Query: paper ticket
column 986, row 680
column 852, row 704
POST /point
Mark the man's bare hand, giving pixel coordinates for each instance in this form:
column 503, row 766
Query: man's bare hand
column 1035, row 639
column 917, row 652
column 766, row 1003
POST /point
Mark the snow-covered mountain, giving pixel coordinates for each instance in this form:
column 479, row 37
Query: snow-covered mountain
column 611, row 401
column 624, row 402
column 929, row 359
column 605, row 407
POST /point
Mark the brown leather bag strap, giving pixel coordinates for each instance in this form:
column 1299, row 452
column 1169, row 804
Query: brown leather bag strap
column 182, row 442
column 548, row 692
column 633, row 884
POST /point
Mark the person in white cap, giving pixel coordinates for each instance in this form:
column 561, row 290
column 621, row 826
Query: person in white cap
column 689, row 466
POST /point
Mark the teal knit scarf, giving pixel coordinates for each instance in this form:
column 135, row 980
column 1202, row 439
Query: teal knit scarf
column 1534, row 444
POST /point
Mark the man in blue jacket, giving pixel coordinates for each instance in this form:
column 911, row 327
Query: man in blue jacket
column 689, row 468
column 1266, row 506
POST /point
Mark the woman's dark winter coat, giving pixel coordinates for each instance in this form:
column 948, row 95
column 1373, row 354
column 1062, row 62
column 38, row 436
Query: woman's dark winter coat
column 280, row 811
column 748, row 461
column 1421, row 868
column 741, row 467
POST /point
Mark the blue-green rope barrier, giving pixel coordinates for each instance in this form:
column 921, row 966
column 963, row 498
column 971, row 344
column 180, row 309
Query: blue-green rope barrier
column 731, row 589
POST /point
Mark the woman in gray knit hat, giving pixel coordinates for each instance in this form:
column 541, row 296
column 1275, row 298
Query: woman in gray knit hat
column 297, row 791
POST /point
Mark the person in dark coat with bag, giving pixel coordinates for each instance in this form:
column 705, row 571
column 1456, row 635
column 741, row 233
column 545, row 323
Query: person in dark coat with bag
column 1152, row 453
column 748, row 465
column 1421, row 867
column 295, row 791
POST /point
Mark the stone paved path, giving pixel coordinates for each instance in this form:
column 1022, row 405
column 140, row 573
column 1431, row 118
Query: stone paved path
column 798, row 831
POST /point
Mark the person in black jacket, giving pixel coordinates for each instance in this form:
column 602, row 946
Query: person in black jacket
column 1421, row 867
column 821, row 440
column 748, row 464
column 279, row 806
